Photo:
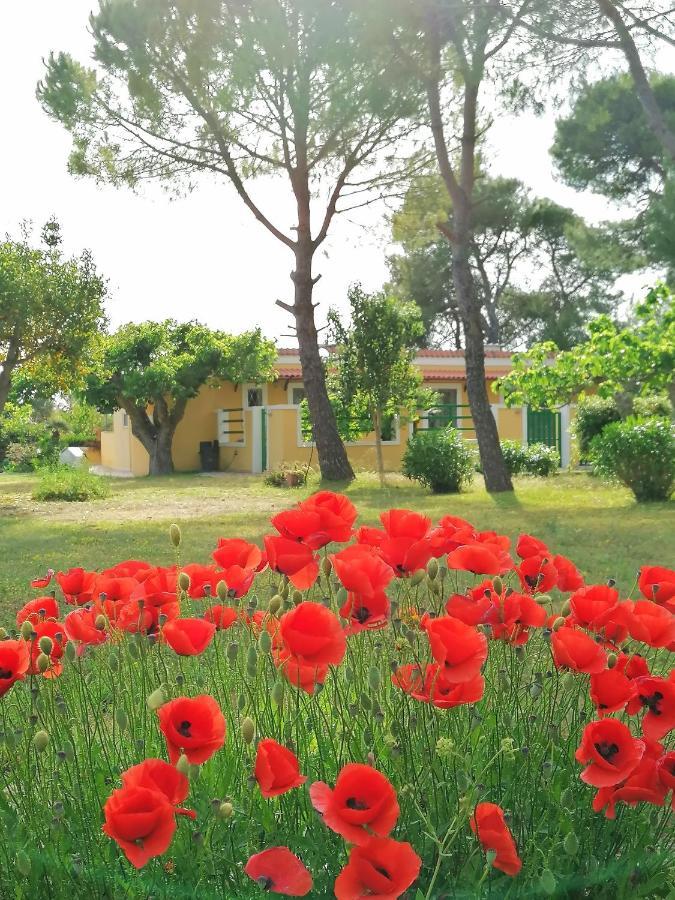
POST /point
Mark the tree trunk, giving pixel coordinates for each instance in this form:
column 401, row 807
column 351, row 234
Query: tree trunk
column 161, row 459
column 333, row 461
column 5, row 385
column 377, row 424
column 156, row 439
column 9, row 363
column 643, row 89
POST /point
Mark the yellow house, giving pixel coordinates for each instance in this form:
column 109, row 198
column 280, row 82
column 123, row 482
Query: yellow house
column 256, row 427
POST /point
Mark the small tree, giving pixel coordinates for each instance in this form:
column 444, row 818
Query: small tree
column 639, row 358
column 51, row 310
column 151, row 370
column 373, row 364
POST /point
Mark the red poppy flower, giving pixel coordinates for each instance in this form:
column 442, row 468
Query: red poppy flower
column 471, row 607
column 141, row 821
column 194, row 726
column 363, row 801
column 35, row 610
column 158, row 775
column 361, row 570
column 531, row 546
column 658, row 584
column 237, row 552
column 610, row 691
column 203, row 580
column 404, row 544
column 277, row 769
column 537, row 574
column 322, row 519
column 114, row 588
column 665, row 769
column 14, row 663
column 55, row 631
column 291, row 558
column 313, row 635
column 458, row 648
column 451, row 533
column 576, row 650
column 188, row 637
column 365, row 612
column 223, row 617
column 501, row 542
column 279, row 871
column 657, row 696
column 305, row 677
column 381, row 869
column 44, row 581
column 481, row 559
column 512, row 616
column 158, row 587
column 489, row 826
column 444, row 694
column 609, row 751
column 77, row 585
column 128, row 568
column 643, row 785
column 80, row 626
column 591, row 606
column 411, row 679
column 633, row 665
column 262, row 620
column 569, row 577
column 652, row 624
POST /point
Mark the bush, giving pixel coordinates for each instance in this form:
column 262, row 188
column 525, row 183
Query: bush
column 653, row 406
column 75, row 485
column 438, row 459
column 24, row 443
column 293, row 474
column 593, row 413
column 530, row 459
column 640, row 454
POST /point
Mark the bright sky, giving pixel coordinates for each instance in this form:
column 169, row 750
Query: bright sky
column 203, row 256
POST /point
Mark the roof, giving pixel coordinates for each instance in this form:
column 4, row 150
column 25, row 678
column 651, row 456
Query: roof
column 438, row 374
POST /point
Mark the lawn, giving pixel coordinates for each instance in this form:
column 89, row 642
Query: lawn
column 599, row 526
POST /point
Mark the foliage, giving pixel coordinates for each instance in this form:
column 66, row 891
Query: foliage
column 640, row 454
column 592, row 414
column 439, row 459
column 653, row 405
column 530, row 459
column 107, row 705
column 638, row 358
column 70, row 484
column 371, row 370
column 26, row 442
column 288, row 474
column 538, row 269
column 51, row 310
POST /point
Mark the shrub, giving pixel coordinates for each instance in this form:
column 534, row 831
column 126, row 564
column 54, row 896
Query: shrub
column 32, row 443
column 66, row 483
column 438, row 459
column 639, row 454
column 593, row 413
column 653, row 405
column 529, row 459
column 288, row 474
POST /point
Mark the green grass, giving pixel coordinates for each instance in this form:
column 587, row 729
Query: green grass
column 599, row 526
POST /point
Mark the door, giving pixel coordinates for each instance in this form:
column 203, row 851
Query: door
column 543, row 427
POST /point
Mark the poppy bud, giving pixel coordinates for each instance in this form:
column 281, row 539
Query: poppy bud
column 221, row 591
column 248, row 730
column 184, row 581
column 342, row 596
column 571, row 844
column 265, row 641
column 275, row 604
column 252, row 656
column 241, row 702
column 566, row 609
column 23, row 864
column 42, row 663
column 432, row 568
column 252, row 603
column 57, row 810
column 114, row 662
column 225, row 810
column 232, row 651
column 547, row 883
column 3, row 634
column 285, row 590
column 611, row 660
column 504, row 680
column 26, row 630
column 508, row 719
column 553, row 732
column 183, row 764
column 490, row 857
column 349, row 675
column 71, row 651
column 278, row 692
column 445, row 747
column 365, row 701
column 417, row 577
column 326, row 566
column 121, row 718
column 69, row 751
column 567, row 798
column 156, row 699
column 558, row 624
column 40, row 740
column 520, row 653
column 374, row 678
column 297, row 598
column 568, row 681
column 175, row 535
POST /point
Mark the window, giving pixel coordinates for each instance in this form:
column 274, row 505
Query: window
column 254, row 397
column 297, row 396
column 125, row 420
column 445, row 412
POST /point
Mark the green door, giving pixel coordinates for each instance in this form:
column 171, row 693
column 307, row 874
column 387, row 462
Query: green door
column 263, row 439
column 543, row 427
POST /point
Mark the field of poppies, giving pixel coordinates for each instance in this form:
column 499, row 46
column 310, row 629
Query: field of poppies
column 417, row 710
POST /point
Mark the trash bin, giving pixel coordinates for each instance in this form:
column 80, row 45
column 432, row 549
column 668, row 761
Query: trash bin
column 208, row 455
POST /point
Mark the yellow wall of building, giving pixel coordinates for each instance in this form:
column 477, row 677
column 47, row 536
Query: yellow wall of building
column 510, row 424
